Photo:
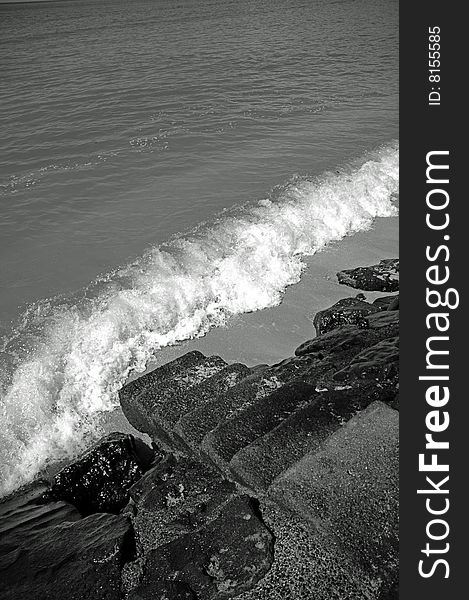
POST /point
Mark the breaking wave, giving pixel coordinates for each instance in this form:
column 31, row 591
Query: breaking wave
column 66, row 358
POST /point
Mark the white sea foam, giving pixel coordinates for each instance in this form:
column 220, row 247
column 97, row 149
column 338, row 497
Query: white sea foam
column 67, row 358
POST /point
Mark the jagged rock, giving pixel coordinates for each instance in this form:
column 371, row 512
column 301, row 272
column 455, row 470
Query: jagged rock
column 348, row 311
column 383, row 277
column 259, row 463
column 255, row 420
column 176, row 497
column 99, row 480
column 351, row 487
column 151, row 403
column 72, row 560
column 223, row 559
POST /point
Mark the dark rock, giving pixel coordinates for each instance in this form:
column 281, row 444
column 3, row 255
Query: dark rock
column 308, row 564
column 347, row 339
column 100, row 479
column 383, row 302
column 163, row 590
column 176, row 497
column 255, row 420
column 351, row 487
column 394, row 304
column 259, row 463
column 387, row 318
column 25, row 512
column 205, row 392
column 223, row 559
column 73, row 560
column 196, row 424
column 383, row 277
column 348, row 311
column 378, row 362
column 151, row 404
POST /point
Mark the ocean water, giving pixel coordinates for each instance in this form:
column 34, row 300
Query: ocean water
column 164, row 166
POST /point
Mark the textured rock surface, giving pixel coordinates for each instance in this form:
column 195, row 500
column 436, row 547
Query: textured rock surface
column 72, row 560
column 195, row 425
column 260, row 462
column 177, row 497
column 312, row 439
column 221, row 560
column 308, row 565
column 383, row 277
column 151, row 402
column 349, row 311
column 254, row 421
column 351, row 487
column 99, row 480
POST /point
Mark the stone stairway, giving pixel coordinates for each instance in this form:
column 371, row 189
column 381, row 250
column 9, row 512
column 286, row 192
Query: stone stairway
column 279, row 482
column 266, row 483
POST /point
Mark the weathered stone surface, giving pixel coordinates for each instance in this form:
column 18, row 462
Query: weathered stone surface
column 223, row 559
column 383, row 277
column 72, row 560
column 99, row 480
column 154, row 408
column 176, row 497
column 388, row 302
column 163, row 590
column 378, row 362
column 347, row 341
column 309, row 565
column 24, row 512
column 259, row 463
column 205, row 392
column 174, row 368
column 387, row 318
column 348, row 311
column 351, row 487
column 254, row 421
column 195, row 425
column 384, row 301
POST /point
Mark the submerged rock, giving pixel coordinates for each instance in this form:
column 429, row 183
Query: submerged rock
column 383, row 277
column 348, row 311
column 100, row 479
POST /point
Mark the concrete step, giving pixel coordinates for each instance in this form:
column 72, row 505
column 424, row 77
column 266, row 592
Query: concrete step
column 349, row 487
column 257, row 418
column 259, row 463
column 309, row 565
column 199, row 395
column 145, row 401
column 193, row 427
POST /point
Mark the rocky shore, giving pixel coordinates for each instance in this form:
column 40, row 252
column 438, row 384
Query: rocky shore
column 262, row 483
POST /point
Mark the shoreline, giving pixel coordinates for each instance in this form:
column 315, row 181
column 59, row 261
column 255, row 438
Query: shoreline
column 268, row 335
column 257, row 480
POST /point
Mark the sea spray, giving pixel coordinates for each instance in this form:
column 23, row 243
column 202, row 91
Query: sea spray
column 66, row 358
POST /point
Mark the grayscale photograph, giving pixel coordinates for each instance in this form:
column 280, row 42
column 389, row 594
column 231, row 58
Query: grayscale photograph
column 199, row 300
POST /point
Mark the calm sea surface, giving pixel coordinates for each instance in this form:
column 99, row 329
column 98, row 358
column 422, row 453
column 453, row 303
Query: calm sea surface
column 122, row 123
column 126, row 128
